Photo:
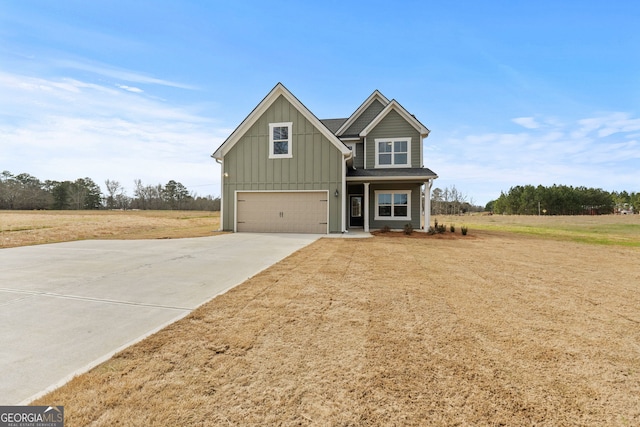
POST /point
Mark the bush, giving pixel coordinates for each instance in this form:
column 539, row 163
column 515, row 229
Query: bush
column 431, row 231
column 385, row 229
column 408, row 229
column 464, row 230
column 452, row 228
column 441, row 228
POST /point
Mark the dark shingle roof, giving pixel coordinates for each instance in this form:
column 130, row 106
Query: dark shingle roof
column 412, row 173
column 333, row 124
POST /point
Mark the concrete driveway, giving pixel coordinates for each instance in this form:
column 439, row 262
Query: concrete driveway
column 67, row 307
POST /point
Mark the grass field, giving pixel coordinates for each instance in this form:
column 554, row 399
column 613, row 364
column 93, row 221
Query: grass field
column 20, row 228
column 623, row 230
column 501, row 327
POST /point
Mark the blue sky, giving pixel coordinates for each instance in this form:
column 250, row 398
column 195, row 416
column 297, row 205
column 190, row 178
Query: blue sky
column 514, row 93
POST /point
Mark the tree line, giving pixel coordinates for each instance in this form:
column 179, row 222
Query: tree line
column 563, row 200
column 26, row 192
column 452, row 201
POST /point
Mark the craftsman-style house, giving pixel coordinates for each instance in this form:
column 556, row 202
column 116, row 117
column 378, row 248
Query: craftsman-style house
column 284, row 170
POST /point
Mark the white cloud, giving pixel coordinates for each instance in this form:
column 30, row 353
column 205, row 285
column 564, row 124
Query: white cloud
column 608, row 124
column 527, row 122
column 118, row 73
column 130, row 88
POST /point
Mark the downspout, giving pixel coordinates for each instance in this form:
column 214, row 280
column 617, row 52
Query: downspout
column 364, row 152
column 343, row 215
column 221, row 163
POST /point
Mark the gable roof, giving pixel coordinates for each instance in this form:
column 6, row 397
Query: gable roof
column 395, row 106
column 376, row 95
column 333, row 124
column 261, row 108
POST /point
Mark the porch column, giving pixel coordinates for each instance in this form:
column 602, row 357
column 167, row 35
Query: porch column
column 427, row 204
column 366, row 207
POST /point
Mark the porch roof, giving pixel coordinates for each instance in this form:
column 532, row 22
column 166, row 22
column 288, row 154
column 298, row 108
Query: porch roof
column 391, row 174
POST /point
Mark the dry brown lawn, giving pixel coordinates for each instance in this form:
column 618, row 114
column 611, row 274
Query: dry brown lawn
column 496, row 329
column 20, row 228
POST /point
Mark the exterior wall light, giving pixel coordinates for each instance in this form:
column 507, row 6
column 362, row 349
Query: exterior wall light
column 336, row 193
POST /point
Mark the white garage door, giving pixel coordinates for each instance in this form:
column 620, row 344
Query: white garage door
column 282, row 212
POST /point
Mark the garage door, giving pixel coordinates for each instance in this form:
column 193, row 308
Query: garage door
column 282, row 212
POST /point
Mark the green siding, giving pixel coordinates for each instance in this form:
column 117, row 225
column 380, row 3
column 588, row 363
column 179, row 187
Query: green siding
column 316, row 163
column 365, row 118
column 393, row 126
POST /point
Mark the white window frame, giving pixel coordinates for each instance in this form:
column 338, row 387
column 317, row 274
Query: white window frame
column 377, row 142
column 392, row 217
column 289, row 154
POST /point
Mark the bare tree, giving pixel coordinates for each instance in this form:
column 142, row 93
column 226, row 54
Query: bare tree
column 113, row 190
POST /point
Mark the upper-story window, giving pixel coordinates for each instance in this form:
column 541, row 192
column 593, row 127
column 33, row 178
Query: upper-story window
column 393, row 152
column 280, row 140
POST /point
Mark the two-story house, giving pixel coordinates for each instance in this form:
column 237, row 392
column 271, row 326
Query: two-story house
column 285, row 170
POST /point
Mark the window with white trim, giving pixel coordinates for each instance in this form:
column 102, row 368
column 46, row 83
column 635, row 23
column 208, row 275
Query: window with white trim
column 280, row 140
column 393, row 152
column 393, row 205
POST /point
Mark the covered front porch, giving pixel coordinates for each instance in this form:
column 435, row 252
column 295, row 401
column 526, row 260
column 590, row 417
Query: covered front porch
column 378, row 198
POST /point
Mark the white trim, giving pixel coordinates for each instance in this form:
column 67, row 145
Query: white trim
column 427, row 204
column 235, row 201
column 377, row 217
column 289, row 154
column 394, row 105
column 367, row 102
column 392, row 141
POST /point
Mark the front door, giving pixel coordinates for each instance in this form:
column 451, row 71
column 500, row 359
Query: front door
column 356, row 218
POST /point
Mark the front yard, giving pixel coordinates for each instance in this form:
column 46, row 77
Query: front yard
column 499, row 329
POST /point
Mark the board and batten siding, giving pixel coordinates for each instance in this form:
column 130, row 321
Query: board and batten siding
column 316, row 163
column 393, row 126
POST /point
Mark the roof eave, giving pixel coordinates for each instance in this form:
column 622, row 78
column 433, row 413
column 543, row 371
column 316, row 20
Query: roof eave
column 390, row 178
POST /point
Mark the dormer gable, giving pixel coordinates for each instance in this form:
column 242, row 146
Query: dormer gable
column 369, row 109
column 395, row 106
